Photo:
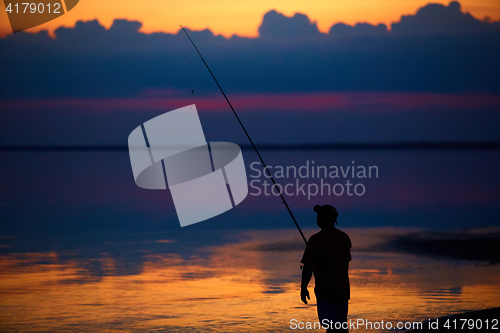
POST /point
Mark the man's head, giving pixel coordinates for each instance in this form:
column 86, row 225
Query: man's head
column 327, row 216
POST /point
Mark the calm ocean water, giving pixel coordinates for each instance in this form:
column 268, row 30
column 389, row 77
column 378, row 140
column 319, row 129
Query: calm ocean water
column 82, row 248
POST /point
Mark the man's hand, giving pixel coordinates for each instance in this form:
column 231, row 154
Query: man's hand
column 306, row 277
column 304, row 295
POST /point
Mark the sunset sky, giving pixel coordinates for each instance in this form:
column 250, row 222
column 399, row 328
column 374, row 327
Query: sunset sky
column 82, row 247
column 228, row 17
column 433, row 76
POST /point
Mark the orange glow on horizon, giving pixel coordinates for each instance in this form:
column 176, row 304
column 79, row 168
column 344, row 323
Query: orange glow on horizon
column 243, row 18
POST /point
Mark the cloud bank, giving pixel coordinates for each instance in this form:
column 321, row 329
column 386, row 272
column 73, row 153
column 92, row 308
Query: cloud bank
column 432, row 76
column 439, row 49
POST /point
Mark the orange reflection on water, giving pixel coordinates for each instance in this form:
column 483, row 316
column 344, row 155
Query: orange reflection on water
column 250, row 285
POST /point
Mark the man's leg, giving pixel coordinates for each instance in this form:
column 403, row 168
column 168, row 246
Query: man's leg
column 329, row 311
column 343, row 309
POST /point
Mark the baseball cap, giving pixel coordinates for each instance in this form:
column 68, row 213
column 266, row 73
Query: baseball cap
column 326, row 211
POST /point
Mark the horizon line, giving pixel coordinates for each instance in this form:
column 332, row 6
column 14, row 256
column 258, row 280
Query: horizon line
column 401, row 145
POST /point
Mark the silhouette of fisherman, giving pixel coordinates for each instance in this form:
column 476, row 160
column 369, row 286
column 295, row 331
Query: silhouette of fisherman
column 327, row 255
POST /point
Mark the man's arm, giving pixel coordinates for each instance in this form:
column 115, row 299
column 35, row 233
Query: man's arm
column 306, row 277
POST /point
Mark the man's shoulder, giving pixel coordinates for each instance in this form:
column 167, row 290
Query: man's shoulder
column 345, row 236
column 342, row 233
column 328, row 232
column 327, row 235
column 314, row 237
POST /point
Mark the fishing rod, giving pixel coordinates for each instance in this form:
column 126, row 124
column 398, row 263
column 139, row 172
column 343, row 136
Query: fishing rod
column 248, row 136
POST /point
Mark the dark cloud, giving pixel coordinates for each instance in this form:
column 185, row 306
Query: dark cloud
column 89, row 29
column 436, row 18
column 275, row 24
column 289, row 56
column 358, row 30
column 125, row 27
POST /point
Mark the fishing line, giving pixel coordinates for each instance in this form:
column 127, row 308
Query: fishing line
column 248, row 136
